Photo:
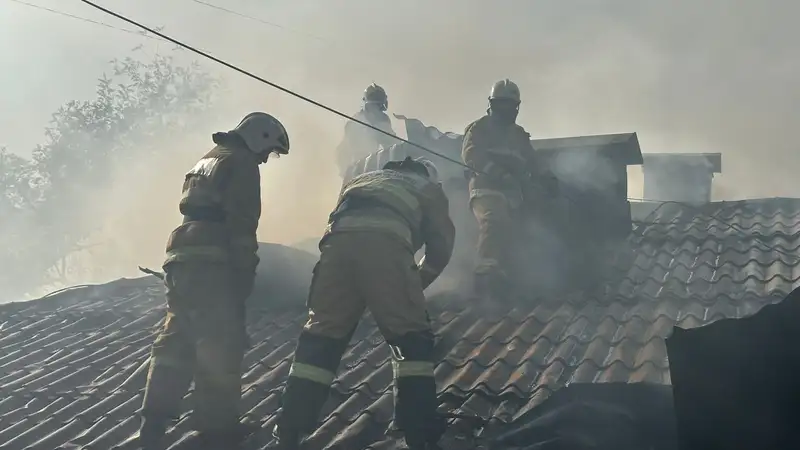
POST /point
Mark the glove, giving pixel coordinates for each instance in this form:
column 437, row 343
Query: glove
column 427, row 274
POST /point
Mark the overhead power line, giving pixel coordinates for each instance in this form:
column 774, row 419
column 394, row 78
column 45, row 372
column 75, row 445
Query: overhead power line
column 83, row 19
column 661, row 202
column 265, row 22
column 274, row 85
column 166, row 38
column 343, row 115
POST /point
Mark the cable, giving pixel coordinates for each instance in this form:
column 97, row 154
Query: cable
column 94, row 22
column 275, row 85
column 340, row 114
column 272, row 24
column 84, row 19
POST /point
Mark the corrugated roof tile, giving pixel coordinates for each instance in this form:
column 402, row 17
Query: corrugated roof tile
column 71, row 366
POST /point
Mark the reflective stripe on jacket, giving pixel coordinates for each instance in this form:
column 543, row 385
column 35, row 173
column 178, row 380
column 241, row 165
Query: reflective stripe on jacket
column 403, row 204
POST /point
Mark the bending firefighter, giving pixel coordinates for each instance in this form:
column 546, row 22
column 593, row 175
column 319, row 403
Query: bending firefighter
column 209, row 272
column 359, row 141
column 501, row 151
column 367, row 261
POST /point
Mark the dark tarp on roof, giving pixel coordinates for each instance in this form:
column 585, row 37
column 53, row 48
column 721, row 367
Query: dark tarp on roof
column 737, row 382
column 592, row 416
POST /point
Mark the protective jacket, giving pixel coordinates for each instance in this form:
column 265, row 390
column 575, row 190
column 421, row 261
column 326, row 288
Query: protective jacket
column 359, row 141
column 406, row 205
column 221, row 207
column 504, row 155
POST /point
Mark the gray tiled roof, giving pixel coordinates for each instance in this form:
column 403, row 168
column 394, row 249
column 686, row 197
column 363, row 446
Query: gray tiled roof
column 71, row 365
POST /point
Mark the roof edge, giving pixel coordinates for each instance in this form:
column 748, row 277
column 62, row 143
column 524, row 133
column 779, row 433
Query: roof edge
column 713, row 159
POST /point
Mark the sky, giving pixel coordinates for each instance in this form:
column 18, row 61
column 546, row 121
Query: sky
column 687, row 76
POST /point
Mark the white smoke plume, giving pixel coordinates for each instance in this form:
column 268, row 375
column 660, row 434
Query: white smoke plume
column 687, row 76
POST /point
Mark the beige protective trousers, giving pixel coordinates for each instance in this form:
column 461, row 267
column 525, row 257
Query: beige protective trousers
column 356, row 271
column 360, row 270
column 496, row 232
column 203, row 339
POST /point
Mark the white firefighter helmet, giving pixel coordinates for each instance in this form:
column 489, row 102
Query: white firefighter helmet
column 433, row 172
column 376, row 94
column 263, row 133
column 505, row 90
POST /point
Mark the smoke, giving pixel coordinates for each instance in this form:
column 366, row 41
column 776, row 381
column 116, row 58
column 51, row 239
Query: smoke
column 572, row 167
column 139, row 209
column 687, row 76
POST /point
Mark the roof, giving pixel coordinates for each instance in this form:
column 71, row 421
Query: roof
column 622, row 146
column 712, row 160
column 72, row 365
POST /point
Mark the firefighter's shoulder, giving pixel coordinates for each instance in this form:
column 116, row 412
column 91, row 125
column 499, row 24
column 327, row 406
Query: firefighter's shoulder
column 235, row 157
column 521, row 130
column 383, row 117
column 210, row 162
column 358, row 115
column 477, row 124
column 228, row 159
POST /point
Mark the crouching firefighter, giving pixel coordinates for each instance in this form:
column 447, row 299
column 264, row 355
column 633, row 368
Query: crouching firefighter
column 367, row 261
column 209, row 272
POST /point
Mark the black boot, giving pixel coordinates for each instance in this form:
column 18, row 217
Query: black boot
column 427, row 437
column 422, row 445
column 415, row 402
column 285, row 439
column 151, row 433
column 226, row 439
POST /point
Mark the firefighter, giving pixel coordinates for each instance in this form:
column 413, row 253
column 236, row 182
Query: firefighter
column 359, row 141
column 209, row 272
column 367, row 261
column 501, row 155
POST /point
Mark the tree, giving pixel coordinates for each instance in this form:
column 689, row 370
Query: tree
column 42, row 198
column 16, row 191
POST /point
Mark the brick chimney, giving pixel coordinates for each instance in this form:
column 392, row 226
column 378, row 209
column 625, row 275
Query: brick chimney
column 680, row 177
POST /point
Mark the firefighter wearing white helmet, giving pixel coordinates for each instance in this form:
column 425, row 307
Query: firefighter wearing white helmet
column 263, row 134
column 382, row 218
column 359, row 141
column 209, row 272
column 376, row 95
column 500, row 151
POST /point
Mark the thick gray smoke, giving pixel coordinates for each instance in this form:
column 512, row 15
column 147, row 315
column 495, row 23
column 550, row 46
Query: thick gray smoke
column 687, row 76
column 572, row 168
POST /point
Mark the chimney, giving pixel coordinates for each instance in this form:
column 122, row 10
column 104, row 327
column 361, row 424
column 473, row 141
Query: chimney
column 581, row 228
column 680, row 177
column 593, row 179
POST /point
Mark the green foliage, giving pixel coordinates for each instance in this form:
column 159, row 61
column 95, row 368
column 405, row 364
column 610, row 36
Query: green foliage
column 41, row 198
